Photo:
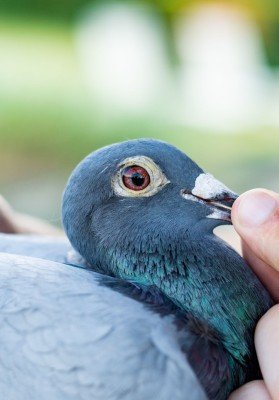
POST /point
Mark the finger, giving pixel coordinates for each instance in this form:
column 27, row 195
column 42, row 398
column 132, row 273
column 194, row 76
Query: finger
column 6, row 217
column 267, row 345
column 27, row 224
column 267, row 275
column 255, row 390
column 13, row 222
column 255, row 216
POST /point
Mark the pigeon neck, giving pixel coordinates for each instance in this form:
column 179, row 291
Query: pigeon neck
column 211, row 282
column 217, row 286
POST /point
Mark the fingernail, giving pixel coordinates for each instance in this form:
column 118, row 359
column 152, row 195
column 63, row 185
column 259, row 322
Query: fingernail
column 255, row 208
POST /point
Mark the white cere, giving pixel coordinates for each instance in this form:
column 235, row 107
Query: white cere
column 207, row 187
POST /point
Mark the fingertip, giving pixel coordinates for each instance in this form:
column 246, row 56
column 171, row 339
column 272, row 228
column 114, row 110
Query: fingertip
column 255, row 390
column 267, row 274
column 254, row 207
column 267, row 325
column 234, row 211
column 255, row 216
column 267, row 345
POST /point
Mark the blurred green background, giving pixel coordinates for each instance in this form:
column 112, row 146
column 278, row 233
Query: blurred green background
column 76, row 75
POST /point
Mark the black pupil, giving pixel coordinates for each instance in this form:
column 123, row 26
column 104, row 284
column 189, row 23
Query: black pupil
column 137, row 179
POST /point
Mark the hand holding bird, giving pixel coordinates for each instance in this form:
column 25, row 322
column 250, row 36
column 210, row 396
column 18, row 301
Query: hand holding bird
column 256, row 218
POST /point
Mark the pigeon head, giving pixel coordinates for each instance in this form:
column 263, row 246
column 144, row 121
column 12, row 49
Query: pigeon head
column 143, row 202
column 136, row 194
column 144, row 212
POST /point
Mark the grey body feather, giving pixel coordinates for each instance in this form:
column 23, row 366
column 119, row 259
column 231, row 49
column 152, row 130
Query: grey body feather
column 64, row 336
column 46, row 247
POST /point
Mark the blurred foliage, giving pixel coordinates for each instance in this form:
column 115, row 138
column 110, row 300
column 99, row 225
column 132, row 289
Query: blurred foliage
column 270, row 32
column 67, row 9
column 54, row 138
column 265, row 12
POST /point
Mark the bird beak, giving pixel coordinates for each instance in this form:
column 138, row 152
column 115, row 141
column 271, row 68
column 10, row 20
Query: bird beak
column 214, row 194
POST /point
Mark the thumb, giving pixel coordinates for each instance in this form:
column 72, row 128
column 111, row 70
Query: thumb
column 255, row 216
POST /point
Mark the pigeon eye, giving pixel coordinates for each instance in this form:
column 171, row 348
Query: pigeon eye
column 135, row 177
column 138, row 176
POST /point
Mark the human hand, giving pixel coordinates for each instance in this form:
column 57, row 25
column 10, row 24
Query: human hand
column 6, row 217
column 14, row 222
column 255, row 216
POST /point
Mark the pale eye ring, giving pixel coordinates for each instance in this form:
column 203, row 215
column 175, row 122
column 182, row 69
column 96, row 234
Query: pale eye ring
column 138, row 176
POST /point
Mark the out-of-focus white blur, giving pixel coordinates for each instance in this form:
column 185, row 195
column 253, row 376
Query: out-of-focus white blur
column 122, row 57
column 222, row 82
column 224, row 78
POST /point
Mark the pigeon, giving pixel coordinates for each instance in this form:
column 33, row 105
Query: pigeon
column 143, row 301
column 143, row 213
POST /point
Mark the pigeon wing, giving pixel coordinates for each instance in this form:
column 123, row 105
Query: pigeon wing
column 64, row 336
